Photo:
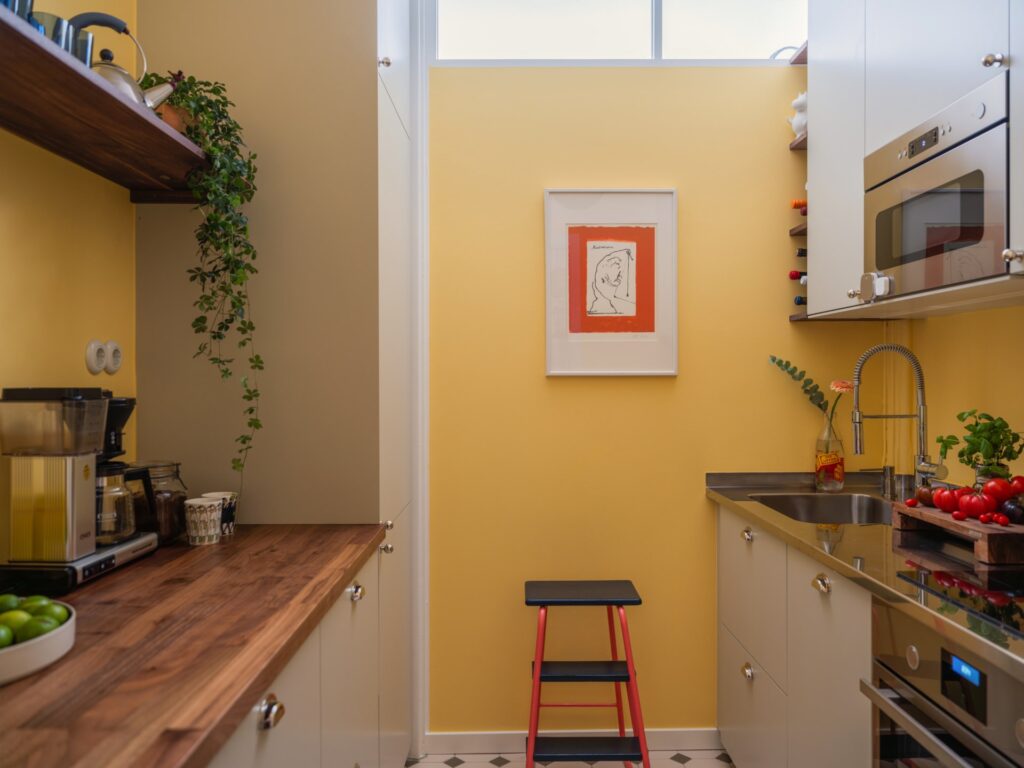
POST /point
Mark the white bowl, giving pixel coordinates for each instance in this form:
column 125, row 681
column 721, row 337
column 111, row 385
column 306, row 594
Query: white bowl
column 22, row 659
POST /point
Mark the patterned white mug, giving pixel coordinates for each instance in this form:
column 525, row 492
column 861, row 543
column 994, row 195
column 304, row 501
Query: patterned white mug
column 227, row 517
column 202, row 520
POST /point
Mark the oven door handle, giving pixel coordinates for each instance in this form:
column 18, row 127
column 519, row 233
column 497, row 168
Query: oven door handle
column 922, row 735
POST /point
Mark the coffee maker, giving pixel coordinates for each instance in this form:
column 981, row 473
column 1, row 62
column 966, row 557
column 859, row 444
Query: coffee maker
column 56, row 454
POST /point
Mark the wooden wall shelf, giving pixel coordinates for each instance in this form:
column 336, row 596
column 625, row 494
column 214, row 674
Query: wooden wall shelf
column 799, row 230
column 50, row 98
column 800, row 57
column 800, row 142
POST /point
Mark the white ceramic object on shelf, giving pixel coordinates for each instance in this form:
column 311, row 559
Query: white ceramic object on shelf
column 799, row 119
column 21, row 659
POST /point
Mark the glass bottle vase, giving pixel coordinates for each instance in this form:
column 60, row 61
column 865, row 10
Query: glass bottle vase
column 829, row 460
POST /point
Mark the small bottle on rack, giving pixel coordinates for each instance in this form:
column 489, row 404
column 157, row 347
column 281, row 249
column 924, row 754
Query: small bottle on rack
column 801, row 253
column 796, row 274
column 800, row 301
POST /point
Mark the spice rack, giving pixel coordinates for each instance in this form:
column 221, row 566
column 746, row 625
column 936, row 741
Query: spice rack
column 51, row 99
column 800, row 230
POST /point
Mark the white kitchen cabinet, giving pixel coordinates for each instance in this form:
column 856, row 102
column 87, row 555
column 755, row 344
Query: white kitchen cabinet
column 348, row 668
column 922, row 55
column 394, row 61
column 295, row 739
column 829, row 619
column 835, row 153
column 752, row 591
column 396, row 644
column 751, row 708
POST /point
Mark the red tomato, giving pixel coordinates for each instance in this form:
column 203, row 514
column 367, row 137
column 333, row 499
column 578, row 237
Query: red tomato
column 1017, row 484
column 945, row 499
column 943, row 578
column 991, row 502
column 963, row 491
column 972, row 504
column 911, row 502
column 998, row 599
column 999, row 488
column 1002, row 520
column 958, row 515
column 985, row 517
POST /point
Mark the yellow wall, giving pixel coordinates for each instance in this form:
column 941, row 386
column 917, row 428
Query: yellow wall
column 535, row 478
column 67, row 255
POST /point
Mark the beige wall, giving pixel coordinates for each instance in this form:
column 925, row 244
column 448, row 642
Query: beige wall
column 534, row 477
column 304, row 82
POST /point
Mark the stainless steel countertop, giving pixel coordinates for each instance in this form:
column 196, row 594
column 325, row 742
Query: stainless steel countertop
column 865, row 554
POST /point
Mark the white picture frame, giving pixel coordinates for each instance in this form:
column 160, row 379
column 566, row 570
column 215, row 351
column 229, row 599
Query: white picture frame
column 604, row 248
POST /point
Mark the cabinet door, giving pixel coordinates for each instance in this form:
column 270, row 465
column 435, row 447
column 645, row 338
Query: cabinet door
column 835, row 153
column 394, row 62
column 396, row 645
column 829, row 720
column 751, row 708
column 295, row 739
column 922, row 55
column 348, row 662
column 752, row 591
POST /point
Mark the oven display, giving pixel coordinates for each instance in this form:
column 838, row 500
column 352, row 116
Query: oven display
column 965, row 685
column 922, row 142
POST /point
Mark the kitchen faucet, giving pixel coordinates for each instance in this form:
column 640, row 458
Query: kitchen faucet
column 924, row 469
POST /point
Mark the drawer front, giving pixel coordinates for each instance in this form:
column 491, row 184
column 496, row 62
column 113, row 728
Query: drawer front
column 752, row 591
column 829, row 652
column 751, row 708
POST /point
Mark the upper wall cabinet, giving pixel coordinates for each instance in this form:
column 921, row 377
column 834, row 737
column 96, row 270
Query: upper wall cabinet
column 394, row 62
column 922, row 55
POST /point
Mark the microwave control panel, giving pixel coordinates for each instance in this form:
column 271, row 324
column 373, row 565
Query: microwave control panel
column 923, row 142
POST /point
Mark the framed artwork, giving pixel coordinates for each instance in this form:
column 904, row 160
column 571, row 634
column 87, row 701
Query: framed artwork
column 611, row 282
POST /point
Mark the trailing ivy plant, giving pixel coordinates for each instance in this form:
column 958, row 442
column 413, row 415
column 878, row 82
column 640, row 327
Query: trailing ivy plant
column 988, row 445
column 226, row 255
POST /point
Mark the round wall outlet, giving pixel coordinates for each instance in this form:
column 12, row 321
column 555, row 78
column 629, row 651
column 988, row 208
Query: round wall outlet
column 95, row 356
column 114, row 357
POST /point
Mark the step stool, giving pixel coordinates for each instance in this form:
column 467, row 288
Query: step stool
column 549, row 749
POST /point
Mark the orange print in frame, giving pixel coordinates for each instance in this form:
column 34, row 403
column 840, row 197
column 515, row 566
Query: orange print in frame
column 611, row 279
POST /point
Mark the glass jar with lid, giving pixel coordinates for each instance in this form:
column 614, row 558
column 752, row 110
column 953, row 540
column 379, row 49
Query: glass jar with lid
column 115, row 512
column 166, row 514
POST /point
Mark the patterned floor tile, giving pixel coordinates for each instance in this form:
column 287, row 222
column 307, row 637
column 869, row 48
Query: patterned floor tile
column 455, row 761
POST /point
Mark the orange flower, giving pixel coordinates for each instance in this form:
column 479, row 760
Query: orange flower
column 841, row 385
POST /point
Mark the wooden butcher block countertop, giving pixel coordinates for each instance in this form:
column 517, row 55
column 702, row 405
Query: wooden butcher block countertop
column 173, row 650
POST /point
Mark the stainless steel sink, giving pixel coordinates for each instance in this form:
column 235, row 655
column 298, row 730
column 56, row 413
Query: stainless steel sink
column 858, row 508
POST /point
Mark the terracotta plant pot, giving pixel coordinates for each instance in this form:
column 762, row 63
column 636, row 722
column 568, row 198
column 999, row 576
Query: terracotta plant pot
column 176, row 117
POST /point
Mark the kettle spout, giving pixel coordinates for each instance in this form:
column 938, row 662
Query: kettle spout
column 158, row 94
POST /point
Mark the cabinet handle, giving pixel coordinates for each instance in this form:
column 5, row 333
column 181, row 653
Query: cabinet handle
column 853, row 293
column 993, row 60
column 389, row 525
column 387, row 549
column 748, row 671
column 357, row 592
column 1011, row 255
column 822, row 583
column 748, row 535
column 386, row 62
column 271, row 711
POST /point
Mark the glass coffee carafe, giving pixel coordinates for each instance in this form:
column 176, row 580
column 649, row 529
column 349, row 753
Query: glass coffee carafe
column 115, row 513
column 166, row 515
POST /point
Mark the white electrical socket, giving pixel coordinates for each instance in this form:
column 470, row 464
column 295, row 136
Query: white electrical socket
column 95, row 356
column 114, row 357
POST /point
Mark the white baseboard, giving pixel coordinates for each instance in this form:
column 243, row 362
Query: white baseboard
column 510, row 742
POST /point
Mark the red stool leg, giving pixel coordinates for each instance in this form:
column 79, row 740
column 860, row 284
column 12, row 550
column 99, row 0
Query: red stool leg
column 618, row 686
column 632, row 691
column 538, row 658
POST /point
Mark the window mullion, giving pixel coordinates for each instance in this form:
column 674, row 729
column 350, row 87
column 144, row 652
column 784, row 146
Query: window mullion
column 656, row 36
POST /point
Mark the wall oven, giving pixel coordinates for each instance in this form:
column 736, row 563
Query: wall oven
column 936, row 202
column 936, row 703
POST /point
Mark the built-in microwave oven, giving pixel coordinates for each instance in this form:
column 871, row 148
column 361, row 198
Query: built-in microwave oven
column 936, row 200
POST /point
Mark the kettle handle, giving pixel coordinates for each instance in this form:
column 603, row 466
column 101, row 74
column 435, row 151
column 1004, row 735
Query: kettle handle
column 96, row 19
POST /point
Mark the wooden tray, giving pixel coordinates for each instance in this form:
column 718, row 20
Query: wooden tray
column 992, row 543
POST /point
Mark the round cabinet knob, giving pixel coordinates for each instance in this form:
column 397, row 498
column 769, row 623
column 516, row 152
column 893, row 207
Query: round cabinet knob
column 385, row 62
column 748, row 535
column 913, row 657
column 387, row 549
column 356, row 592
column 1010, row 255
column 853, row 293
column 271, row 711
column 993, row 60
column 748, row 671
column 389, row 525
column 822, row 583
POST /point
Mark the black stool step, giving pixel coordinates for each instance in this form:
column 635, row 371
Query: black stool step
column 584, row 672
column 581, row 593
column 561, row 749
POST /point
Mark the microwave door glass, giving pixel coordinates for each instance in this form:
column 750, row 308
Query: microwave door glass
column 932, row 222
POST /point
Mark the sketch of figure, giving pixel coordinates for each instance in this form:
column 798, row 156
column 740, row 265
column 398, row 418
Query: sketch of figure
column 611, row 268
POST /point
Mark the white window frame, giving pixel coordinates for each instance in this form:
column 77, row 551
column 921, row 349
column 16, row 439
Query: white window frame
column 655, row 61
